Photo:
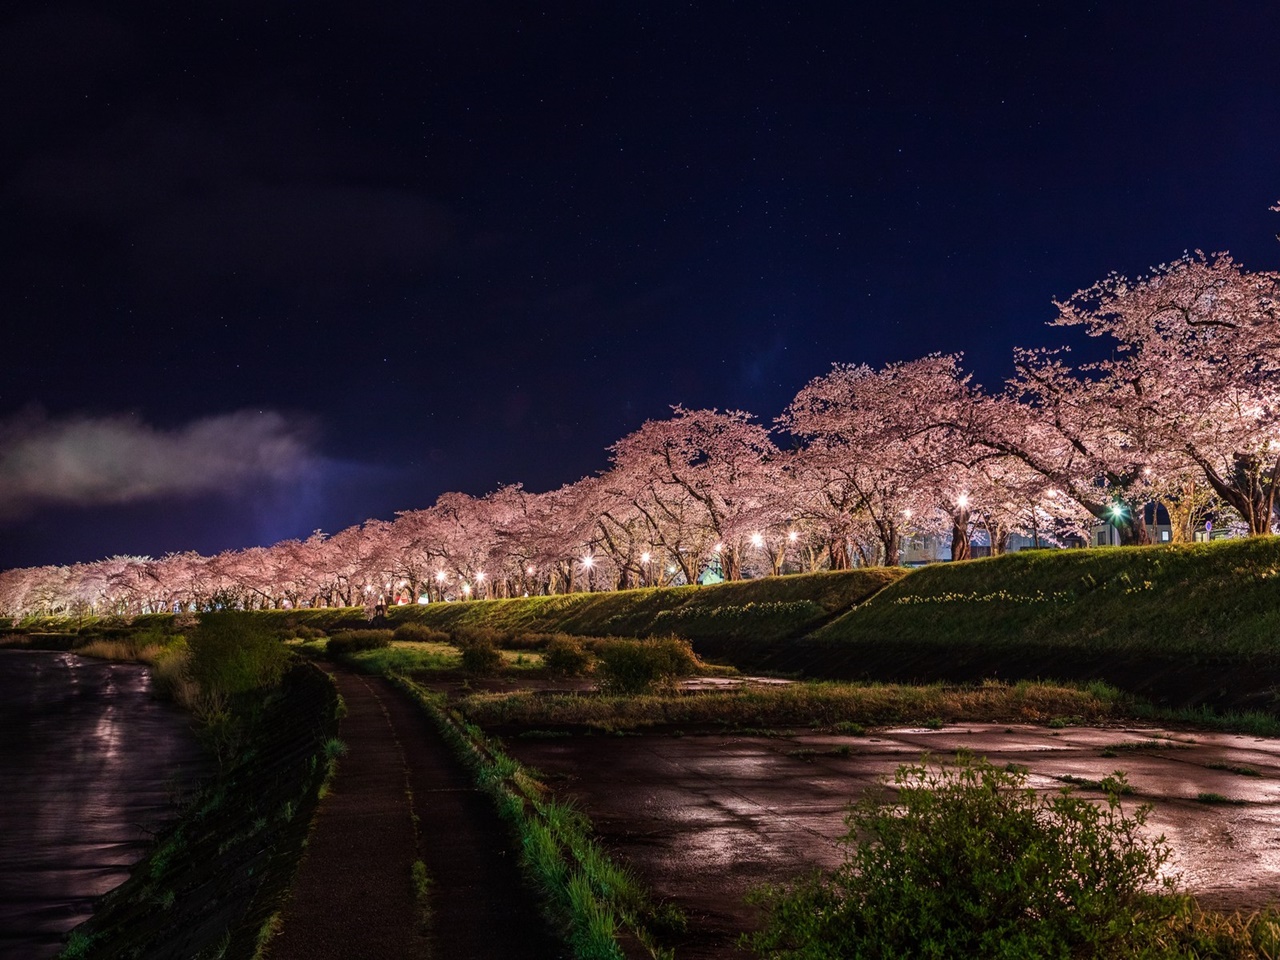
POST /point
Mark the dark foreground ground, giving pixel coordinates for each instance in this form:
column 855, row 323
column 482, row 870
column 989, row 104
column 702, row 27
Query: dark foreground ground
column 704, row 818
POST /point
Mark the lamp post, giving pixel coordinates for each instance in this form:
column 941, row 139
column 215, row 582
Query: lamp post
column 1117, row 515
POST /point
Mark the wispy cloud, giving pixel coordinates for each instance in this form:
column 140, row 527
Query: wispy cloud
column 89, row 461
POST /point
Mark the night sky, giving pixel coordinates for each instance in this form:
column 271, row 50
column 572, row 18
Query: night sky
column 269, row 268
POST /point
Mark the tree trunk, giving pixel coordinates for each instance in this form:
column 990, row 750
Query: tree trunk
column 960, row 548
column 730, row 564
column 889, row 538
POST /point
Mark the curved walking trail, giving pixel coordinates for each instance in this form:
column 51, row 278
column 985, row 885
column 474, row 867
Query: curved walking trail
column 354, row 893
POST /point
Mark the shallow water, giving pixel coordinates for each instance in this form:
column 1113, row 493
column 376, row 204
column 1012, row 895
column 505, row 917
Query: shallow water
column 91, row 765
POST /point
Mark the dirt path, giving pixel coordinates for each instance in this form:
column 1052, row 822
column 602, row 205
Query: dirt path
column 353, row 896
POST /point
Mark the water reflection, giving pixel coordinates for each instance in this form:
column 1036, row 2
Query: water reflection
column 90, row 764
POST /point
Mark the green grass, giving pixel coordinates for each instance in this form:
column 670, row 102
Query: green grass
column 1238, row 769
column 1214, row 599
column 408, row 658
column 799, row 705
column 1210, row 797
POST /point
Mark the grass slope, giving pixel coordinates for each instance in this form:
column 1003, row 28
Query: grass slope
column 767, row 609
column 1194, row 623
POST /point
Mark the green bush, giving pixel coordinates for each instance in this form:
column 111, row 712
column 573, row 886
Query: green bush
column 419, row 633
column 481, row 657
column 970, row 862
column 643, row 666
column 565, row 656
column 353, row 641
column 465, row 636
column 233, row 653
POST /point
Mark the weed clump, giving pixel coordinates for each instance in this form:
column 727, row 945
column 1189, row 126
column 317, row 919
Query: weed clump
column 419, row 633
column 480, row 656
column 970, row 862
column 348, row 642
column 645, row 666
column 565, row 656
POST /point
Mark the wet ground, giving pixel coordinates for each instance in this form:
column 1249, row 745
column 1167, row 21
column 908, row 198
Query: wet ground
column 91, row 765
column 704, row 818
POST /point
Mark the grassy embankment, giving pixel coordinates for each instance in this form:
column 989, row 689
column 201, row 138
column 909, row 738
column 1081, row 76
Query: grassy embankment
column 1186, row 632
column 1183, row 625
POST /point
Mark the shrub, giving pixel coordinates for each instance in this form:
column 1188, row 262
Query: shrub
column 353, row 641
column 419, row 633
column 642, row 666
column 232, row 653
column 464, row 636
column 481, row 657
column 969, row 862
column 566, row 657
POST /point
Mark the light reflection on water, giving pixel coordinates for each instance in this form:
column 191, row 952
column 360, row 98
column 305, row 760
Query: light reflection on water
column 90, row 763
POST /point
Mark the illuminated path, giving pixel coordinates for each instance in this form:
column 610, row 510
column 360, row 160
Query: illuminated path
column 353, row 896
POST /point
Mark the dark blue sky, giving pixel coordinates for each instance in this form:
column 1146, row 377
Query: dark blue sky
column 457, row 245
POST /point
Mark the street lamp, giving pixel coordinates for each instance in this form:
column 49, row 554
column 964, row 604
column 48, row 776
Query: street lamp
column 1117, row 515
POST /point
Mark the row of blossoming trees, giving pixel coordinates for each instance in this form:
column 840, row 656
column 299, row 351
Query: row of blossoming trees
column 1185, row 413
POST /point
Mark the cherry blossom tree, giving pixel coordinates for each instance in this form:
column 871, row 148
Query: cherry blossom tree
column 1196, row 371
column 706, row 473
column 876, row 440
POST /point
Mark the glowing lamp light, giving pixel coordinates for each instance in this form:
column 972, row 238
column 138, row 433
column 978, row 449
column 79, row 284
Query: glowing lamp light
column 529, row 569
column 644, row 557
column 671, row 569
column 792, row 536
column 962, row 501
column 588, row 561
column 466, row 589
column 441, row 576
column 757, row 540
column 479, row 576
